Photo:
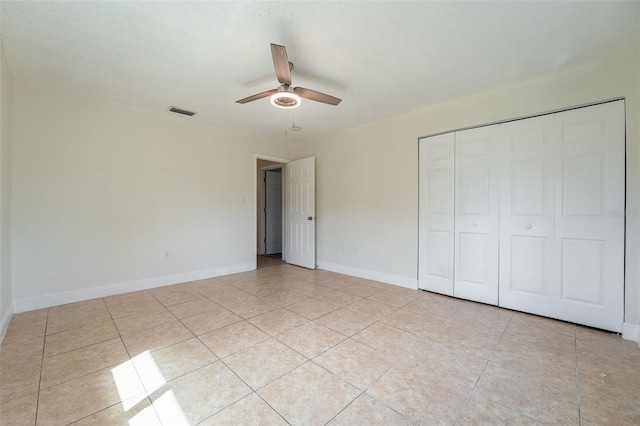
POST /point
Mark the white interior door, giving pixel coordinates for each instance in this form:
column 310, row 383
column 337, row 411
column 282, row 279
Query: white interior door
column 273, row 211
column 300, row 213
column 436, row 214
column 476, row 220
column 589, row 216
column 527, row 258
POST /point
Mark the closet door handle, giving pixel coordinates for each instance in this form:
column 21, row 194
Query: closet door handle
column 474, row 224
column 528, row 227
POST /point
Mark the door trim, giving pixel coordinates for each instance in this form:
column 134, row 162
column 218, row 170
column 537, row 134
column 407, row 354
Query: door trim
column 262, row 220
column 257, row 157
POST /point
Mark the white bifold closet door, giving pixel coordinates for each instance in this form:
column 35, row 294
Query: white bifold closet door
column 590, row 215
column 459, row 186
column 436, row 213
column 562, row 216
column 476, row 222
column 529, row 215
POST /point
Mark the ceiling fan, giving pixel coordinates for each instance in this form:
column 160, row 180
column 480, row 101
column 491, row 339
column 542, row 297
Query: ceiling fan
column 286, row 96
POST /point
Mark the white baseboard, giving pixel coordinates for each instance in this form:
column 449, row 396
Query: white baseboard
column 631, row 332
column 4, row 322
column 46, row 301
column 398, row 280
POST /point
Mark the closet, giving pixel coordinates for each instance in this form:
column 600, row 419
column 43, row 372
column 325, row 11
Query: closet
column 529, row 215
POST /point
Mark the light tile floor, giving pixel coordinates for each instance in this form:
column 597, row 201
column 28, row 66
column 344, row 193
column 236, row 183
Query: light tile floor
column 285, row 345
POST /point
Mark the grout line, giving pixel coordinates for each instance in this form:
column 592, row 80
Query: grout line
column 471, row 393
column 575, row 342
column 253, row 391
column 346, row 406
column 272, row 407
column 44, row 344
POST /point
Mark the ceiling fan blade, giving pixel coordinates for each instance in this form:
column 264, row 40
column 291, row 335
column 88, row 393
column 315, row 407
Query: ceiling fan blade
column 281, row 64
column 316, row 96
column 257, row 96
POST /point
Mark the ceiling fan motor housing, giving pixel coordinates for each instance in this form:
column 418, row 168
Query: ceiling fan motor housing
column 285, row 98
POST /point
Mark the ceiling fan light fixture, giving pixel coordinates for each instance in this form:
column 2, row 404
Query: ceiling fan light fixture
column 285, row 100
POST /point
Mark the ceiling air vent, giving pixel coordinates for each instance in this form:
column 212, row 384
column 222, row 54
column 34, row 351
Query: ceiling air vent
column 181, row 111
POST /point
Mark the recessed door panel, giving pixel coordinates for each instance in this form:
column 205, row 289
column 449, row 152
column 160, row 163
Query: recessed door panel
column 472, row 258
column 477, row 144
column 582, row 270
column 527, row 138
column 440, row 149
column 474, row 189
column 529, row 264
column 438, row 254
column 528, row 187
column 306, row 239
column 439, row 190
column 294, row 242
column 583, row 181
column 579, row 131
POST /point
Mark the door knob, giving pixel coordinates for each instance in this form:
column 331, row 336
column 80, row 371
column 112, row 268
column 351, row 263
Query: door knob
column 309, row 218
column 474, row 224
column 528, row 226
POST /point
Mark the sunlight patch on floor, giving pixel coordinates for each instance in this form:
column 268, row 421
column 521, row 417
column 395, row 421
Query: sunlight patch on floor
column 143, row 367
column 169, row 410
column 149, row 372
column 128, row 385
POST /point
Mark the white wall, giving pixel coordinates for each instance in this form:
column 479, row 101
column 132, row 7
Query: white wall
column 5, row 196
column 367, row 177
column 101, row 191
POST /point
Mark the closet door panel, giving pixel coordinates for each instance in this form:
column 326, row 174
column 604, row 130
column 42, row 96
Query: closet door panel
column 472, row 258
column 476, row 219
column 527, row 214
column 435, row 263
column 473, row 190
column 590, row 216
column 583, row 270
column 528, row 261
column 528, row 187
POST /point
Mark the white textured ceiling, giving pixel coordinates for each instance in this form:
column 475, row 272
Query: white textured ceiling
column 381, row 58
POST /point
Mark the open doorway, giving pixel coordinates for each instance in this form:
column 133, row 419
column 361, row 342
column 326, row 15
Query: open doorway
column 269, row 197
column 273, row 212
